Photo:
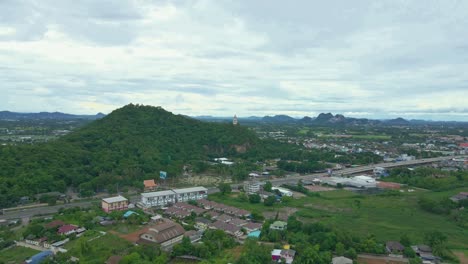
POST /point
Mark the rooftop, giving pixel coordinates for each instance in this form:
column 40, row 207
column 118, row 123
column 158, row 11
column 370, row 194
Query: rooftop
column 160, row 193
column 192, row 189
column 115, row 199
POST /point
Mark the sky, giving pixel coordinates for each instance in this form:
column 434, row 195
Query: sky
column 370, row 59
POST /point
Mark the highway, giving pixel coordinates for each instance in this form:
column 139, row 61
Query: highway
column 47, row 210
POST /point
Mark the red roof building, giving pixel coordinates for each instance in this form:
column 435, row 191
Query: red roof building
column 463, row 145
column 67, row 229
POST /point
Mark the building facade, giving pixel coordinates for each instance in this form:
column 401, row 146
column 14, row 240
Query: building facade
column 163, row 198
column 114, row 203
column 251, row 187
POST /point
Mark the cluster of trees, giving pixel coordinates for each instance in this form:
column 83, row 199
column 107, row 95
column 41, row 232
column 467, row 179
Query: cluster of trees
column 429, row 178
column 446, row 207
column 213, row 243
column 129, row 145
column 317, row 242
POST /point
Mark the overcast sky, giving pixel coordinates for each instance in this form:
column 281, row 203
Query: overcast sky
column 375, row 59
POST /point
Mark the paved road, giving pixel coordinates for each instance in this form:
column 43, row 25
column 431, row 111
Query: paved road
column 47, row 210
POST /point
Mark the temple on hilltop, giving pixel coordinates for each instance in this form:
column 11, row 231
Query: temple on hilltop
column 234, row 121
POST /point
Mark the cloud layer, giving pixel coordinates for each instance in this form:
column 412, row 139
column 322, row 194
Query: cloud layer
column 375, row 59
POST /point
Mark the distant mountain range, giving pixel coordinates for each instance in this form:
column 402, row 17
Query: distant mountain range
column 327, row 119
column 7, row 115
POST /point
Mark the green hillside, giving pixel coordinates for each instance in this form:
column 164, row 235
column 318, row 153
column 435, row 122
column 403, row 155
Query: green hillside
column 130, row 144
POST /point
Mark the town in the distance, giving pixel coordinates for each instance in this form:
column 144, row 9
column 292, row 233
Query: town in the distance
column 144, row 185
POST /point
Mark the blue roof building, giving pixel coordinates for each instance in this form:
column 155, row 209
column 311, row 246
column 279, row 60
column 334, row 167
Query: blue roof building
column 254, row 234
column 39, row 257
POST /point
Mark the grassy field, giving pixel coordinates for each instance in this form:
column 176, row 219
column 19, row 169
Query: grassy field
column 98, row 250
column 387, row 217
column 16, row 255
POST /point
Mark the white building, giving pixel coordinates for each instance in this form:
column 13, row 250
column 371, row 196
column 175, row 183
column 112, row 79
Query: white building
column 163, row 198
column 283, row 191
column 251, row 187
column 362, row 182
column 194, row 193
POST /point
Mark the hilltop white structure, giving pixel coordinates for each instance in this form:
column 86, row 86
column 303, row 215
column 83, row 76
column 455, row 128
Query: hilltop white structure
column 283, row 191
column 251, row 187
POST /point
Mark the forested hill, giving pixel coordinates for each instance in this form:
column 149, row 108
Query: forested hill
column 130, row 144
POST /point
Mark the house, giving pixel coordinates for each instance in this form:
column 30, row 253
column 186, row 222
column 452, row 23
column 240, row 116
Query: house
column 238, row 222
column 251, row 227
column 425, row 253
column 150, row 185
column 201, row 223
column 279, row 225
column 177, row 212
column 114, row 203
column 341, row 260
column 67, row 229
column 166, row 234
column 254, row 234
column 227, row 227
column 224, row 218
column 194, row 235
column 459, row 197
column 129, row 213
column 394, row 247
column 286, row 254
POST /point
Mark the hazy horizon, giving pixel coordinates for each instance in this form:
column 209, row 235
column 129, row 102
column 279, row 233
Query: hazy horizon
column 364, row 59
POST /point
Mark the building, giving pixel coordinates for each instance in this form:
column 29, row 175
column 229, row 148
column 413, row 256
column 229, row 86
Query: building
column 166, row 234
column 279, row 225
column 114, row 203
column 150, row 185
column 394, row 247
column 283, row 191
column 67, row 229
column 40, row 257
column 341, row 260
column 251, row 187
column 163, row 198
column 362, row 182
column 193, row 193
column 459, row 197
column 286, row 254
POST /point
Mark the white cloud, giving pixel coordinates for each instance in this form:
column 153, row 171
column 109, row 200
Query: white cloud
column 213, row 57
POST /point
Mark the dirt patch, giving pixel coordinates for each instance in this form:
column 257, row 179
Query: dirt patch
column 132, row 237
column 314, row 188
column 327, row 208
column 283, row 213
column 461, row 256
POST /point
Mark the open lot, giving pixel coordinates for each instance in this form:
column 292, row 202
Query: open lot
column 16, row 255
column 387, row 217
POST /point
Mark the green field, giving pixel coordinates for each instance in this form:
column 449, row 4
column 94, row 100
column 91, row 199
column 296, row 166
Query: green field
column 387, row 217
column 16, row 255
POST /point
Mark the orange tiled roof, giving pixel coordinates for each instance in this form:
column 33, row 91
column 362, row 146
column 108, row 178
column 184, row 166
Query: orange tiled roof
column 149, row 183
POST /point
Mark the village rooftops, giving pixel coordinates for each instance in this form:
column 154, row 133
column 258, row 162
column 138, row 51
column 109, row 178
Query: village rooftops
column 160, row 193
column 115, row 199
column 189, row 190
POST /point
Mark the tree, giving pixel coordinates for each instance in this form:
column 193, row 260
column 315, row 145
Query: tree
column 184, row 248
column 405, row 240
column 225, row 188
column 294, row 225
column 269, row 201
column 340, row 249
column 254, row 198
column 267, row 186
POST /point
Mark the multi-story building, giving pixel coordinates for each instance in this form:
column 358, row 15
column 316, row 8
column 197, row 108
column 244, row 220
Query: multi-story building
column 114, row 203
column 194, row 193
column 251, row 187
column 163, row 198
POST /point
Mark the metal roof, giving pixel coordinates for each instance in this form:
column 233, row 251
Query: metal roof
column 115, row 199
column 192, row 189
column 155, row 194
